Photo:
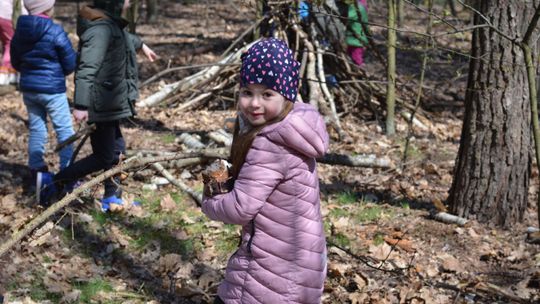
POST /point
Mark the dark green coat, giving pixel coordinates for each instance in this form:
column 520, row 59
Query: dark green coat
column 106, row 76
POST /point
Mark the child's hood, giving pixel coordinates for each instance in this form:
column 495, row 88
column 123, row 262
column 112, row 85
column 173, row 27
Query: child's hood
column 89, row 16
column 303, row 130
column 31, row 28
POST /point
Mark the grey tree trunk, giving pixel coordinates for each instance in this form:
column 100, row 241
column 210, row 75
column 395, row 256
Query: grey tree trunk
column 493, row 166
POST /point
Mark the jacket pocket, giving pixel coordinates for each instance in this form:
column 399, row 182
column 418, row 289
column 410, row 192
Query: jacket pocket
column 110, row 96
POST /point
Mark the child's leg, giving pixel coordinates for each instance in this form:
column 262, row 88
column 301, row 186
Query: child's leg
column 37, row 120
column 102, row 141
column 112, row 185
column 6, row 33
column 58, row 109
column 357, row 54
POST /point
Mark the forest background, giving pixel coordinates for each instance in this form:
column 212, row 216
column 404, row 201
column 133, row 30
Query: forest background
column 462, row 143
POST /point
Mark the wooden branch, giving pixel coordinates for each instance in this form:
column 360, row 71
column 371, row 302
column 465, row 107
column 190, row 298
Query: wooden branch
column 194, row 80
column 499, row 292
column 314, row 89
column 189, row 67
column 197, row 196
column 221, row 136
column 370, row 160
column 343, row 136
column 86, row 130
column 450, row 218
column 191, row 142
column 194, row 102
column 128, row 164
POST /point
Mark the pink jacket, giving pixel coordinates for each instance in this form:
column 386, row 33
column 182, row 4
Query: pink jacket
column 282, row 258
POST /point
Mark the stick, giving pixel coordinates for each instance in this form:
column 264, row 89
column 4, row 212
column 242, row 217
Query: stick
column 86, row 130
column 221, row 136
column 333, row 113
column 126, row 165
column 197, row 196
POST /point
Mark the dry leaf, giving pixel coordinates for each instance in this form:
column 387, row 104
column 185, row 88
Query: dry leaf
column 380, row 252
column 403, row 244
column 8, row 204
column 167, row 203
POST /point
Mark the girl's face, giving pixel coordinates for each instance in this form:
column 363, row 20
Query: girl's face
column 259, row 104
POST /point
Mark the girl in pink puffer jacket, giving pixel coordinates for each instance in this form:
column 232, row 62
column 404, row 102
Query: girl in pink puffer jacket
column 282, row 256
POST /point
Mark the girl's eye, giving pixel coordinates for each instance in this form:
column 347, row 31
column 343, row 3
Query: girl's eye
column 245, row 92
column 267, row 94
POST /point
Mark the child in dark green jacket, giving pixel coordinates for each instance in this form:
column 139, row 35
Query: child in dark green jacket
column 105, row 92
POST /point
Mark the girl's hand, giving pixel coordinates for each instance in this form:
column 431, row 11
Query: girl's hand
column 151, row 55
column 80, row 115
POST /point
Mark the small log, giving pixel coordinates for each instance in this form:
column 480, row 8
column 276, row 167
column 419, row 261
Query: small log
column 190, row 141
column 369, row 160
column 221, row 136
column 193, row 102
column 450, row 218
column 194, row 194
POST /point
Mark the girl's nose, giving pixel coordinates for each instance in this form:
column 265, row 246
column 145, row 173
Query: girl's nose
column 255, row 101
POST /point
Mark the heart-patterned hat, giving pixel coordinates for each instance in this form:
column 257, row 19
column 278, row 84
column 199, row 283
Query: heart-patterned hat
column 270, row 62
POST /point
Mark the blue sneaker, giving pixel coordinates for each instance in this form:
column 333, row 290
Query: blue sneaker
column 111, row 200
column 45, row 188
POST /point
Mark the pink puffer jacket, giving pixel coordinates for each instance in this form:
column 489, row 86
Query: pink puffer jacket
column 282, row 258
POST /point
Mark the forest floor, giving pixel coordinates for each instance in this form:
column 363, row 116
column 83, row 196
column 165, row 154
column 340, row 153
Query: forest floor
column 167, row 251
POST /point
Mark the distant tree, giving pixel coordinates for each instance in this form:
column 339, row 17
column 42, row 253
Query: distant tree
column 493, row 167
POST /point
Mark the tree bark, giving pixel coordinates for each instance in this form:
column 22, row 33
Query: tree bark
column 391, row 70
column 493, row 167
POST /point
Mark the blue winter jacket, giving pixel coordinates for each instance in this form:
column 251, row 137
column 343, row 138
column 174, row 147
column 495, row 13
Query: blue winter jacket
column 43, row 54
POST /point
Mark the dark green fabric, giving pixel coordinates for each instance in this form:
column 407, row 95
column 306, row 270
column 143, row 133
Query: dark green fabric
column 106, row 76
column 356, row 35
column 113, row 7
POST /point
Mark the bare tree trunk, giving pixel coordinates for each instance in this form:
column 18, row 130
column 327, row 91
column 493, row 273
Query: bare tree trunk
column 391, row 72
column 491, row 177
column 151, row 11
column 133, row 15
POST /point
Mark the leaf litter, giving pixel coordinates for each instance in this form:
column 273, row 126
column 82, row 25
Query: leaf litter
column 383, row 247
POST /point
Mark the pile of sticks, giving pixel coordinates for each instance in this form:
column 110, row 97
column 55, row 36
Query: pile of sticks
column 321, row 55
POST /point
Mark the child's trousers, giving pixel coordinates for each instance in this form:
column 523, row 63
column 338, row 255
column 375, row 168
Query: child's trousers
column 6, row 33
column 107, row 145
column 38, row 105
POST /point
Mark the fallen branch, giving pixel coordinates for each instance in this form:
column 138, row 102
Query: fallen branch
column 131, row 163
column 190, row 141
column 86, row 130
column 221, row 136
column 370, row 160
column 449, row 218
column 197, row 196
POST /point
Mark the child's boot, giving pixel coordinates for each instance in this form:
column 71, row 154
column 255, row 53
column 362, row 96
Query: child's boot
column 112, row 203
column 45, row 188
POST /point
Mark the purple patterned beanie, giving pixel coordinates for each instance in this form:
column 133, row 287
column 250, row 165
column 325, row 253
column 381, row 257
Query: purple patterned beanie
column 271, row 63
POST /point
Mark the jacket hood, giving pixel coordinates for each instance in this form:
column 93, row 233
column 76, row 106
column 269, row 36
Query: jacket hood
column 33, row 27
column 303, row 130
column 89, row 16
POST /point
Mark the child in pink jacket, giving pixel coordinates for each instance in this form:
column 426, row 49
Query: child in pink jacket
column 275, row 197
column 7, row 73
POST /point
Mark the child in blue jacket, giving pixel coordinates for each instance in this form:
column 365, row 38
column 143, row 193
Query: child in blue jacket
column 43, row 54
